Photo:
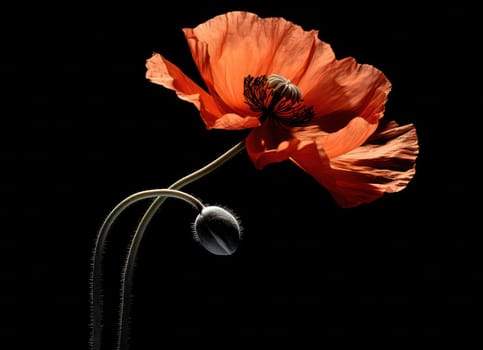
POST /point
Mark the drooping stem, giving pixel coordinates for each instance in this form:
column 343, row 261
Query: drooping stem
column 128, row 270
column 96, row 299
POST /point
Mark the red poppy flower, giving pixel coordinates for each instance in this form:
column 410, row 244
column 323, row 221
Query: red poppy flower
column 302, row 103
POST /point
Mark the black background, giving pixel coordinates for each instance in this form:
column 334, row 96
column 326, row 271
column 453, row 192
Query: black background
column 82, row 129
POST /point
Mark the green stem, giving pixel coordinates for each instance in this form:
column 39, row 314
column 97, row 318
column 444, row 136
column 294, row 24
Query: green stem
column 127, row 274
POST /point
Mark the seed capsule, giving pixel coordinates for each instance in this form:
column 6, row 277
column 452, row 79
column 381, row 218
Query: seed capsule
column 284, row 87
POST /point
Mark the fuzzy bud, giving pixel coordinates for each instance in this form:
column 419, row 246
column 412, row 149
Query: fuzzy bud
column 217, row 230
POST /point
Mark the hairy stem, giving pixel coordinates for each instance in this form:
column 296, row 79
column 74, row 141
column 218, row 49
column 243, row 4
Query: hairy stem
column 128, row 270
column 96, row 296
column 96, row 273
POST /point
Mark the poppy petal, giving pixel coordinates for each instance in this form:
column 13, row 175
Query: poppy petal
column 161, row 71
column 346, row 139
column 386, row 163
column 240, row 43
column 347, row 90
column 269, row 143
column 232, row 121
column 389, row 156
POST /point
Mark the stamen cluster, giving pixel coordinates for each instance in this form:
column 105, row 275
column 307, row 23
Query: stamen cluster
column 277, row 98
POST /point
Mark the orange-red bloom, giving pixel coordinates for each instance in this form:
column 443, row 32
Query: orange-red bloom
column 303, row 104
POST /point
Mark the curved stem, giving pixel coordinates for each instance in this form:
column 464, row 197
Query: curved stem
column 96, row 273
column 127, row 274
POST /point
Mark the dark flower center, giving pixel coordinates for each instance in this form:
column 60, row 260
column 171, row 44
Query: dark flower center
column 277, row 98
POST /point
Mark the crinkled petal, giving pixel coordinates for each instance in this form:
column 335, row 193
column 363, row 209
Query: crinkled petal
column 231, row 46
column 345, row 186
column 345, row 91
column 388, row 157
column 273, row 137
column 386, row 163
column 334, row 144
column 161, row 71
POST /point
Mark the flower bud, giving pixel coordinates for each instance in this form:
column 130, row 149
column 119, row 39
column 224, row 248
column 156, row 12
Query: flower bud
column 217, row 230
